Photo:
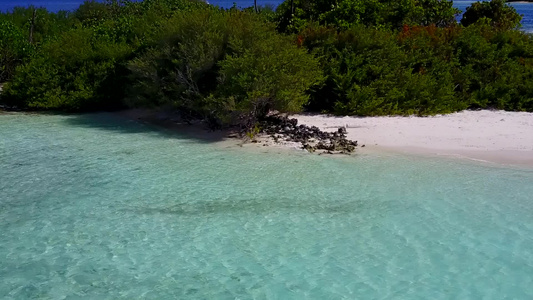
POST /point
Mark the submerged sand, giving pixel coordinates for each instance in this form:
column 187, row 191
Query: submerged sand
column 494, row 136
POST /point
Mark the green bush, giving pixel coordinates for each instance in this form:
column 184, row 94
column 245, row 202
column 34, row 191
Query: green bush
column 271, row 69
column 499, row 14
column 357, row 57
column 131, row 21
column 182, row 63
column 294, row 15
column 83, row 67
column 78, row 71
column 14, row 49
column 216, row 64
column 496, row 67
column 46, row 24
column 421, row 69
column 375, row 72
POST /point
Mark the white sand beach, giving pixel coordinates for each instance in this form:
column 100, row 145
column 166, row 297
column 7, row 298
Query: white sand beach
column 494, row 136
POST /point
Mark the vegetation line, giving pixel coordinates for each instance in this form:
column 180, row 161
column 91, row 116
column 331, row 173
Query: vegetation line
column 233, row 67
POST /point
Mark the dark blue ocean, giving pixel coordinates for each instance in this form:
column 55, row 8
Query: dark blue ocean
column 526, row 9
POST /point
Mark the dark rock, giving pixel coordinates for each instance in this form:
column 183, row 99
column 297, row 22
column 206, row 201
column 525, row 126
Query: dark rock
column 309, row 148
column 283, row 128
column 293, row 122
column 342, row 130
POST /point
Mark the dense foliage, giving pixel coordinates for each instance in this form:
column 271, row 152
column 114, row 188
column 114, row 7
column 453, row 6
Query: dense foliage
column 386, row 14
column 422, row 69
column 355, row 57
column 497, row 12
column 428, row 65
column 76, row 71
column 221, row 65
column 14, row 48
column 225, row 66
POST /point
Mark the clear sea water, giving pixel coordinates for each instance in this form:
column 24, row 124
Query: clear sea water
column 525, row 9
column 99, row 207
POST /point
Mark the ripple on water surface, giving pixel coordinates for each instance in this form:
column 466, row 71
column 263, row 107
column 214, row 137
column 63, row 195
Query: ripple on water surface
column 99, row 207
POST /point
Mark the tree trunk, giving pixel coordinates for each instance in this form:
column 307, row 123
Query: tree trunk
column 32, row 25
column 255, row 6
column 292, row 8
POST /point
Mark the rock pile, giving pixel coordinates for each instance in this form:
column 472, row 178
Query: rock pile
column 311, row 138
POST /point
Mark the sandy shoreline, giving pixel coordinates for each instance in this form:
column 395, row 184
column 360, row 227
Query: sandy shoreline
column 499, row 137
column 494, row 136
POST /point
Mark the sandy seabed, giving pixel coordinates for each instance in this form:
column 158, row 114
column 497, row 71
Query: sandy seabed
column 493, row 136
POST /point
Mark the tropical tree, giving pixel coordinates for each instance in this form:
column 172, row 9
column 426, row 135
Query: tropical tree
column 389, row 14
column 497, row 12
column 14, row 47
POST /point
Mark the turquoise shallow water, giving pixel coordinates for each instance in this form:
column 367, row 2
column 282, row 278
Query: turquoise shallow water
column 98, row 207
